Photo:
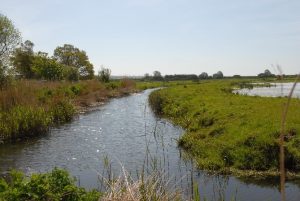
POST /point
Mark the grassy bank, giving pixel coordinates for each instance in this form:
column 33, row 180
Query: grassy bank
column 227, row 132
column 30, row 107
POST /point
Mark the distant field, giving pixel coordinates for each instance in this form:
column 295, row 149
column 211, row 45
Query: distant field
column 227, row 132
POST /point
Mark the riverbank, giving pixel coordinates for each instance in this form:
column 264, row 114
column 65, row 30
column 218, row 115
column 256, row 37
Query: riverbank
column 230, row 133
column 29, row 107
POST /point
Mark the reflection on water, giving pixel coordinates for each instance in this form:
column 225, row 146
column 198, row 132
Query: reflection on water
column 275, row 90
column 126, row 132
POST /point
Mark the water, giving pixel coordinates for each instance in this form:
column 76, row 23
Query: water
column 125, row 130
column 276, row 90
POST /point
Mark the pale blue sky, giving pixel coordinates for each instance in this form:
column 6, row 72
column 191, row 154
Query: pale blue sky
column 134, row 37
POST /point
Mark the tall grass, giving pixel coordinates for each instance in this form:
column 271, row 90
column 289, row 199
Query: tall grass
column 150, row 188
column 30, row 107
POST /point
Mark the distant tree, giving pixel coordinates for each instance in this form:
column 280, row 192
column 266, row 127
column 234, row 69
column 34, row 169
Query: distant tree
column 203, row 76
column 71, row 56
column 146, row 76
column 22, row 59
column 236, row 76
column 181, row 77
column 104, row 74
column 157, row 76
column 9, row 38
column 47, row 68
column 265, row 74
column 218, row 75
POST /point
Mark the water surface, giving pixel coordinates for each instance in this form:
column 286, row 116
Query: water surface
column 275, row 90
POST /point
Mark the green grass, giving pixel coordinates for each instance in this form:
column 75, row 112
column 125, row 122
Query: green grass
column 228, row 132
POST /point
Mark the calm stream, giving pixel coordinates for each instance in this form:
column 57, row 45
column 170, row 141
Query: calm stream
column 127, row 133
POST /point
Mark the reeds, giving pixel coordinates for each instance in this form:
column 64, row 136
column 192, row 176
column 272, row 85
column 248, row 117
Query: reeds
column 282, row 135
column 150, row 188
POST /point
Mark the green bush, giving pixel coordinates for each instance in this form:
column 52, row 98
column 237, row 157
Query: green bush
column 56, row 185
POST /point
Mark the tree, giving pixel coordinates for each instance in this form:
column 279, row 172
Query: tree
column 218, row 75
column 9, row 38
column 157, row 75
column 104, row 74
column 266, row 73
column 47, row 68
column 22, row 59
column 203, row 76
column 71, row 56
column 71, row 73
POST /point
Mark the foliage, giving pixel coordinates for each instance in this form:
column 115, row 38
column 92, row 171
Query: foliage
column 4, row 77
column 9, row 38
column 157, row 76
column 218, row 75
column 266, row 74
column 62, row 110
column 127, row 83
column 225, row 130
column 181, row 77
column 72, row 56
column 104, row 74
column 71, row 73
column 203, row 76
column 21, row 122
column 29, row 108
column 22, row 59
column 47, row 68
column 56, row 185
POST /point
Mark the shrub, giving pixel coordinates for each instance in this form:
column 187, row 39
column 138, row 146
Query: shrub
column 56, row 185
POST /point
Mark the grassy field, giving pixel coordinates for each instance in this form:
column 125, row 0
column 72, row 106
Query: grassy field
column 231, row 133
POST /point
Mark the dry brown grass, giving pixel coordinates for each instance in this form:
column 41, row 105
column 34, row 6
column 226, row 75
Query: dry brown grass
column 151, row 188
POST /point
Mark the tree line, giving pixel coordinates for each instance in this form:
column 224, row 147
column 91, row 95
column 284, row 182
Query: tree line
column 19, row 60
column 156, row 76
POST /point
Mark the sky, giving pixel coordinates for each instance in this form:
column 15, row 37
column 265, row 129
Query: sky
column 134, row 37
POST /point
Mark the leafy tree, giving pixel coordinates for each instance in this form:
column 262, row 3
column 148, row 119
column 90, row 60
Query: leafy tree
column 203, row 76
column 47, row 68
column 104, row 74
column 22, row 59
column 218, row 75
column 71, row 56
column 9, row 38
column 157, row 75
column 266, row 73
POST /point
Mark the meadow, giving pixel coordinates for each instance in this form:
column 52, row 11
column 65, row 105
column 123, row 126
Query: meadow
column 230, row 133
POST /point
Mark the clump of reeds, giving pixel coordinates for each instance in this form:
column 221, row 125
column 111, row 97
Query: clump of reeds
column 144, row 188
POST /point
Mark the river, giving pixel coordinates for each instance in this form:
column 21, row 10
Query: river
column 126, row 132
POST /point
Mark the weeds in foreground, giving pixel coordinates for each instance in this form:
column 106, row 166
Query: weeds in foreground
column 152, row 188
column 56, row 185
